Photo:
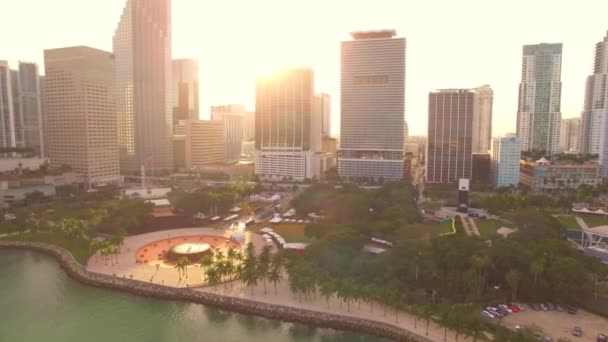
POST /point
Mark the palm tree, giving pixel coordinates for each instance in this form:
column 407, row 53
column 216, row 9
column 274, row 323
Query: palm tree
column 219, row 256
column 212, row 277
column 182, row 266
column 275, row 276
column 230, row 270
column 513, row 278
column 264, row 265
column 205, row 262
column 231, row 254
column 537, row 267
column 327, row 289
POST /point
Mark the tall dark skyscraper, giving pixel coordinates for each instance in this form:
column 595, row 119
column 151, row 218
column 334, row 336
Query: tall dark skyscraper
column 142, row 50
column 185, row 90
column 283, row 113
column 450, row 132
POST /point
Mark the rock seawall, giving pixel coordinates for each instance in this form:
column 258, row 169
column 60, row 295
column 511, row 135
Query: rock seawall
column 239, row 305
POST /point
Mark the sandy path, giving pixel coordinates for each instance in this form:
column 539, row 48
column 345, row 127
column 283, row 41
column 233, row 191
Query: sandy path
column 318, row 303
column 473, row 226
column 465, row 225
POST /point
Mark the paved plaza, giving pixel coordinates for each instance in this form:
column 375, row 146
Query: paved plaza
column 126, row 263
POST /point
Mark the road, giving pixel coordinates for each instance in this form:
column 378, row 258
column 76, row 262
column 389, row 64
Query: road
column 581, row 222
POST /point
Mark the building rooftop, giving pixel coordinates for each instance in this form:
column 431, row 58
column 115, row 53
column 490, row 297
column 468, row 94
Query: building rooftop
column 376, row 34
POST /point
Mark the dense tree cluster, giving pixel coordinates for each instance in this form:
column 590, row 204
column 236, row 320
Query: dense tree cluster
column 211, row 201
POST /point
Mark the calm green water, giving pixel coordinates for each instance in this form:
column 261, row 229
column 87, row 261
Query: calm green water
column 39, row 303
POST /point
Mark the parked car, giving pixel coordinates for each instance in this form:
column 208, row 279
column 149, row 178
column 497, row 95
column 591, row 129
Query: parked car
column 502, row 310
column 572, row 309
column 535, row 307
column 512, row 307
column 519, row 306
column 506, row 308
column 543, row 307
column 494, row 311
column 550, row 306
column 559, row 308
column 602, row 338
column 487, row 314
column 577, row 331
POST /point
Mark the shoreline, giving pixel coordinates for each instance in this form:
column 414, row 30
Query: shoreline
column 79, row 273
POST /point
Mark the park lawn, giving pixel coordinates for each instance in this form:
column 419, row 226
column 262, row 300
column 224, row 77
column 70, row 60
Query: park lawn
column 488, row 227
column 431, row 205
column 595, row 220
column 77, row 246
column 568, row 221
column 422, row 232
column 291, row 232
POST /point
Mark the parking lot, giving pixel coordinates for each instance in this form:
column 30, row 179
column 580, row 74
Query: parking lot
column 559, row 324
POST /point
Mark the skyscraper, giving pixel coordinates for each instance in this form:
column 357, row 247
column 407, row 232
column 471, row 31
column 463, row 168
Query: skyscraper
column 185, row 90
column 596, row 101
column 249, row 130
column 81, row 112
column 538, row 113
column 142, row 49
column 372, row 105
column 7, row 118
column 233, row 117
column 283, row 123
column 30, row 108
column 204, row 142
column 323, row 103
column 450, row 129
column 569, row 135
column 505, row 154
column 482, row 119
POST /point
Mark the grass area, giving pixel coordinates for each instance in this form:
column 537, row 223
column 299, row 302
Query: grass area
column 291, row 232
column 568, row 221
column 431, row 205
column 488, row 227
column 422, row 232
column 595, row 220
column 78, row 247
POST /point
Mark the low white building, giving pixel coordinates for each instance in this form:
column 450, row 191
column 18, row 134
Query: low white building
column 10, row 164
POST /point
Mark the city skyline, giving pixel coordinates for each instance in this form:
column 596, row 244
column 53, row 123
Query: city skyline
column 228, row 72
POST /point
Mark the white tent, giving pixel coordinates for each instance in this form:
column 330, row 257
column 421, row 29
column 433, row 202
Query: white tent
column 238, row 237
column 275, row 220
column 266, row 230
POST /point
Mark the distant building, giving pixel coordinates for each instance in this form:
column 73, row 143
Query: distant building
column 372, row 105
column 81, row 113
column 323, row 104
column 593, row 129
column 185, row 90
column 412, row 148
column 12, row 164
column 539, row 112
column 233, row 117
column 285, row 120
column 506, row 154
column 142, row 53
column 14, row 192
column 30, row 111
column 543, row 174
column 482, row 119
column 450, row 124
column 7, row 114
column 569, row 135
column 204, row 143
column 249, row 131
column 481, row 170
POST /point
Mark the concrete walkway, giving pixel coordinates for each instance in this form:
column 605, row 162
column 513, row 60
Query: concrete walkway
column 581, row 222
column 473, row 226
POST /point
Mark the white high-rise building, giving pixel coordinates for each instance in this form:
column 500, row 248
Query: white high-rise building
column 323, row 104
column 7, row 115
column 142, row 50
column 569, row 136
column 233, row 117
column 505, row 154
column 538, row 113
column 372, row 105
column 596, row 101
column 81, row 112
column 482, row 119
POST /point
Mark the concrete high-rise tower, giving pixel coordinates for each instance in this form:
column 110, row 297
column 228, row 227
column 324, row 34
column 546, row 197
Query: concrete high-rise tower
column 142, row 51
column 596, row 102
column 7, row 115
column 482, row 119
column 372, row 105
column 570, row 135
column 538, row 113
column 233, row 117
column 81, row 112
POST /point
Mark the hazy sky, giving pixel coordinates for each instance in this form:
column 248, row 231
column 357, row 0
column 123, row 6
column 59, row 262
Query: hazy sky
column 450, row 44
